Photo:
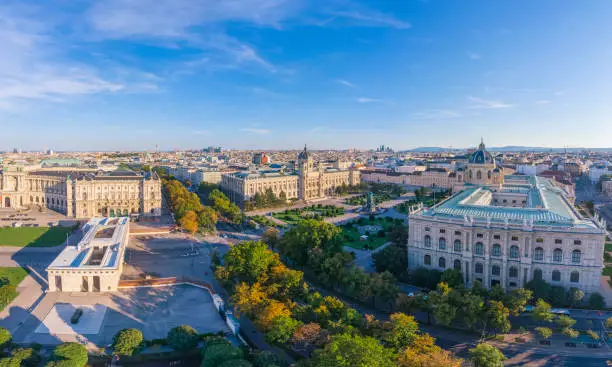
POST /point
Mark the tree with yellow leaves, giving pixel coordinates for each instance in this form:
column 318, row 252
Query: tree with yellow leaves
column 189, row 222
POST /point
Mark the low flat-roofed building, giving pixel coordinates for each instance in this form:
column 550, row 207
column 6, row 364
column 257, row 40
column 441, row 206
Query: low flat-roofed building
column 96, row 262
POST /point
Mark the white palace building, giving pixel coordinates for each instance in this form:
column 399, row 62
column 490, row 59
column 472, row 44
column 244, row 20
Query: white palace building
column 96, row 262
column 508, row 230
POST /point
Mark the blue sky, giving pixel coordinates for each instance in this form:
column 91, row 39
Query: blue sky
column 264, row 74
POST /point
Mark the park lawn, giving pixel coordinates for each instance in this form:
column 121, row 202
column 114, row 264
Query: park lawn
column 12, row 275
column 9, row 280
column 33, row 236
column 288, row 218
column 352, row 235
column 607, row 271
column 609, row 247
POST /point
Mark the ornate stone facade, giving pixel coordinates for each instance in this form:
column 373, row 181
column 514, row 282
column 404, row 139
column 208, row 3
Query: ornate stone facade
column 508, row 231
column 310, row 181
column 81, row 193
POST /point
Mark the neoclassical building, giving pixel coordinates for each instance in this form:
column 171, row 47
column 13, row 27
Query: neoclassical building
column 81, row 193
column 96, row 262
column 508, row 231
column 309, row 182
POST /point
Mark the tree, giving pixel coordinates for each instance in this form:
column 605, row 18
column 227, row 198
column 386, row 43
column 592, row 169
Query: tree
column 471, row 308
column 182, row 337
column 27, row 356
column 486, row 355
column 392, row 258
column 438, row 302
column 452, row 277
column 558, row 296
column 569, row 332
column 308, row 336
column 10, row 362
column 271, row 237
column 544, row 332
column 575, row 296
column 250, row 260
column 189, row 222
column 596, row 301
column 497, row 316
column 403, row 331
column 541, row 311
column 5, row 337
column 271, row 311
column 249, row 299
column 346, row 350
column 70, row 354
column 207, row 219
column 540, row 288
column 609, row 322
column 215, row 354
column 307, row 235
column 424, row 353
column 592, row 334
column 127, row 341
column 517, row 300
column 236, row 363
column 565, row 321
column 282, row 329
column 426, row 278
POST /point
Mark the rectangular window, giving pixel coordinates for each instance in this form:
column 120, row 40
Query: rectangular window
column 457, row 233
column 442, row 231
column 497, row 237
column 577, row 242
column 479, row 235
column 515, row 238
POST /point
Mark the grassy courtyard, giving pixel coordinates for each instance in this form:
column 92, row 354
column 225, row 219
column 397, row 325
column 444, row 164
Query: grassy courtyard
column 9, row 280
column 377, row 230
column 33, row 236
column 293, row 216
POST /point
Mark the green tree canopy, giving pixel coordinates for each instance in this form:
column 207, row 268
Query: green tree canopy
column 486, row 355
column 345, row 350
column 182, row 337
column 127, row 341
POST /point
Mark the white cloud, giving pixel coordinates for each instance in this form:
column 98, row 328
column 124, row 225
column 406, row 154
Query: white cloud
column 35, row 66
column 345, row 83
column 369, row 100
column 366, row 17
column 473, row 55
column 437, row 115
column 481, row 103
column 256, row 131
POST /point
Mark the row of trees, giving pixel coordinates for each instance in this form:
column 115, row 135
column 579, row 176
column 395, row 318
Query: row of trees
column 279, row 302
column 560, row 297
column 189, row 212
column 345, row 189
column 318, row 246
column 267, row 199
column 224, row 207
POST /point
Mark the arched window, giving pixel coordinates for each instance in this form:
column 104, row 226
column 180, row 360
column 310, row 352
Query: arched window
column 537, row 274
column 496, row 250
column 457, row 246
column 495, row 270
column 513, row 272
column 427, row 260
column 538, row 254
column 558, row 255
column 576, row 256
column 479, row 175
column 479, row 248
column 442, row 243
column 442, row 262
column 575, row 277
column 556, row 276
column 457, row 265
column 427, row 241
column 514, row 252
column 478, row 268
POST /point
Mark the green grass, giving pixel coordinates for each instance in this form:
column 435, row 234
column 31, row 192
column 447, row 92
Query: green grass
column 14, row 276
column 9, row 280
column 607, row 271
column 352, row 234
column 609, row 247
column 33, row 236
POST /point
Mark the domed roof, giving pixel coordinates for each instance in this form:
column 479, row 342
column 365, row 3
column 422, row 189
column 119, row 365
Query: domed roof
column 303, row 154
column 481, row 156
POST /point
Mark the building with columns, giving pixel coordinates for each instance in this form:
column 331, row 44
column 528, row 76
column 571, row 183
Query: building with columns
column 96, row 262
column 310, row 181
column 508, row 231
column 81, row 193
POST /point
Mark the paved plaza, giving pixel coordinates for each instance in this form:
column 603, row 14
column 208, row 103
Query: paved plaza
column 153, row 310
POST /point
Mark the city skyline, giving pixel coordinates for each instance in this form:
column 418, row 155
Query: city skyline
column 262, row 74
